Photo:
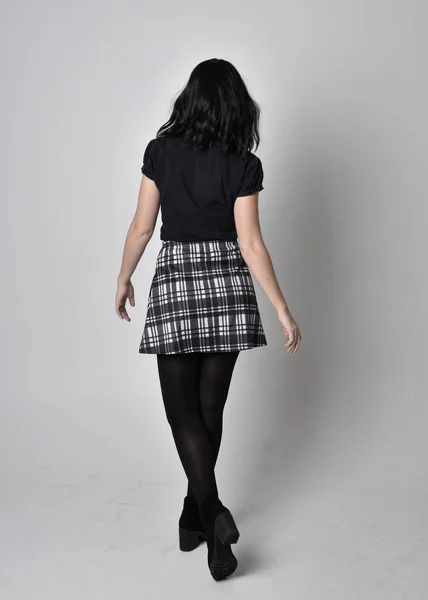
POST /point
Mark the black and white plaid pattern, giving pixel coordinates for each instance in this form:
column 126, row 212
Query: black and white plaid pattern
column 202, row 298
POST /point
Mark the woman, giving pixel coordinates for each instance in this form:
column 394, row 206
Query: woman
column 202, row 308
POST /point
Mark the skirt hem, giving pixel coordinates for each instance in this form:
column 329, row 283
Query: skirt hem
column 190, row 350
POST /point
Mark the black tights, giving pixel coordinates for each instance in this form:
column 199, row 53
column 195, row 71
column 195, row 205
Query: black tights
column 194, row 388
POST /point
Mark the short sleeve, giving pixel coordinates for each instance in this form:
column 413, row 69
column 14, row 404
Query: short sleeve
column 252, row 178
column 149, row 160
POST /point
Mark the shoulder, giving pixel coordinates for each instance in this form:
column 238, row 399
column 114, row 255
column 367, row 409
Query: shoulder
column 154, row 150
column 253, row 164
column 252, row 159
column 151, row 159
column 155, row 145
column 250, row 163
column 252, row 176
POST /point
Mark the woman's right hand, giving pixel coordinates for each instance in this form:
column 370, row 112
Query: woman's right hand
column 291, row 330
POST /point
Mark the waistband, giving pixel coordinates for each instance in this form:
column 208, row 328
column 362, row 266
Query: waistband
column 202, row 244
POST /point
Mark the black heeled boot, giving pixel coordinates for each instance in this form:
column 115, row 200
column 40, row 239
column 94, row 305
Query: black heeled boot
column 190, row 527
column 220, row 532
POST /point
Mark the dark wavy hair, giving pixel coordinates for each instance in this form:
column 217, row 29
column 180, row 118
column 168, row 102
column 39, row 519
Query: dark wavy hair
column 215, row 108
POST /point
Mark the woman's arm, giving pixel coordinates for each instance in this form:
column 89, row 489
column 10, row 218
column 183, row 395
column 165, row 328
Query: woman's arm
column 257, row 257
column 139, row 233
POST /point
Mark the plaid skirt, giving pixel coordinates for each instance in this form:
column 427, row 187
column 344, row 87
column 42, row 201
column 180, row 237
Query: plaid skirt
column 201, row 299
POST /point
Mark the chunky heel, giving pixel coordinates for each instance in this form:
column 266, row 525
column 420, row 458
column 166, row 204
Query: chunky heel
column 188, row 540
column 225, row 528
column 220, row 531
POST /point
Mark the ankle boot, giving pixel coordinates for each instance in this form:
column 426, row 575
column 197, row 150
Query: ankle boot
column 220, row 531
column 190, row 527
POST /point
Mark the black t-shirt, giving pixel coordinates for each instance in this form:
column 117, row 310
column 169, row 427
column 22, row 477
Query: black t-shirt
column 198, row 188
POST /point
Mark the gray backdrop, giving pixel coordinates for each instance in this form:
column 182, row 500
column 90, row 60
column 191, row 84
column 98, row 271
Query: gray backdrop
column 324, row 453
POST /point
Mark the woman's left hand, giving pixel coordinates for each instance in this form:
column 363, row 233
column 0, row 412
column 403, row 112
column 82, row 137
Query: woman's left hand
column 125, row 290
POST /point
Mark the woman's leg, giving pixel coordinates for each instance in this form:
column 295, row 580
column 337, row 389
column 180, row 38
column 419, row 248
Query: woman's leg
column 216, row 369
column 179, row 379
